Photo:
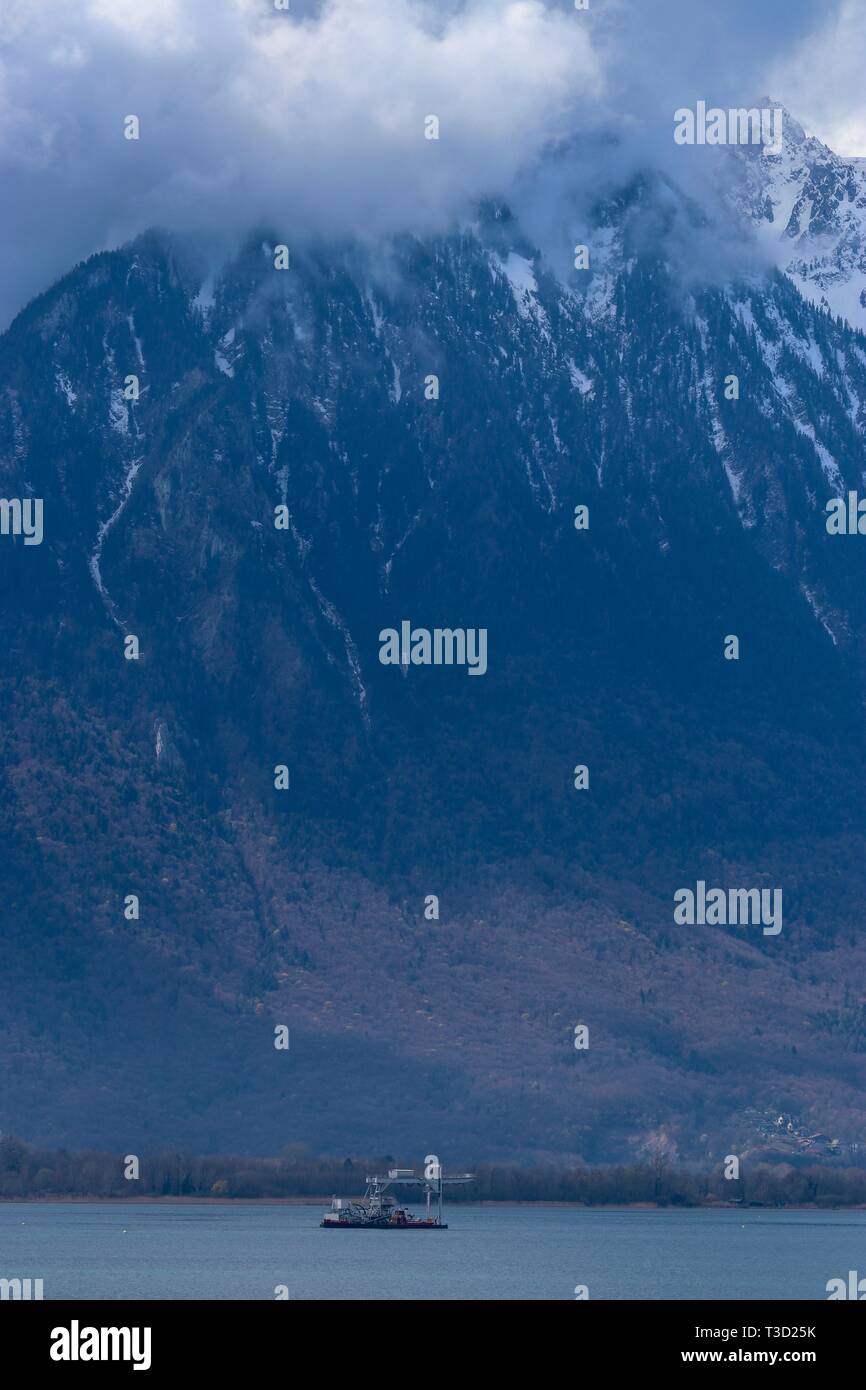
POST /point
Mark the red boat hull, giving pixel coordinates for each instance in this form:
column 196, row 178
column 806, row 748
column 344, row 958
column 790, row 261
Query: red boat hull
column 385, row 1226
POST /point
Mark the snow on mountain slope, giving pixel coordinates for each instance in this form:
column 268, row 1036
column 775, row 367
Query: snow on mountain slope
column 809, row 207
column 308, row 391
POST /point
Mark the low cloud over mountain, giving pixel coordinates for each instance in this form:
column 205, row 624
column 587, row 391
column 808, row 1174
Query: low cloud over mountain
column 312, row 117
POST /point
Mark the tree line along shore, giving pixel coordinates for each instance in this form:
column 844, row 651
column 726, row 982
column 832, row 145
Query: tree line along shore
column 31, row 1173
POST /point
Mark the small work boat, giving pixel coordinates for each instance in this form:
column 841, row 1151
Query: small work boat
column 377, row 1210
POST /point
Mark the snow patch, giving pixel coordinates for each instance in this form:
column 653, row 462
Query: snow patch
column 579, row 380
column 118, row 412
column 104, row 528
column 520, row 275
column 62, row 380
column 138, row 352
column 221, row 361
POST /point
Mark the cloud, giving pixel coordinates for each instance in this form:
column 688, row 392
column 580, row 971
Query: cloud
column 824, row 82
column 246, row 112
column 313, row 118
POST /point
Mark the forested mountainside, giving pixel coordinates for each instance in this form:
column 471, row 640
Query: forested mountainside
column 311, row 456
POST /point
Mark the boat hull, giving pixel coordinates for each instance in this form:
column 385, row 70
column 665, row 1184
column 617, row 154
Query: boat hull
column 383, row 1226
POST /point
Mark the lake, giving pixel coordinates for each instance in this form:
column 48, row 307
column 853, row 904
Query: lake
column 132, row 1251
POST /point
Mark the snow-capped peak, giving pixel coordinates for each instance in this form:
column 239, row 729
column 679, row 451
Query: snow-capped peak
column 808, row 205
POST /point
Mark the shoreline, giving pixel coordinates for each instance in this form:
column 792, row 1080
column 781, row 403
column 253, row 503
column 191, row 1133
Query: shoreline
column 325, row 1201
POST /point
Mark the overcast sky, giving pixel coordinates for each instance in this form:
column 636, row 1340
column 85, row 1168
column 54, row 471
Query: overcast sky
column 312, row 118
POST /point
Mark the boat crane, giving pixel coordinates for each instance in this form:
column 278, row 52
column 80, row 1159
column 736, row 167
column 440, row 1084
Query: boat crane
column 377, row 1210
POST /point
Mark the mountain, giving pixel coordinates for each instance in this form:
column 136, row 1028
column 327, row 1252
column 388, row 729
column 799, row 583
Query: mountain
column 404, row 433
column 808, row 206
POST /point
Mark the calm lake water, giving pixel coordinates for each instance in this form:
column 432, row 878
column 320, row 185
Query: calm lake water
column 131, row 1251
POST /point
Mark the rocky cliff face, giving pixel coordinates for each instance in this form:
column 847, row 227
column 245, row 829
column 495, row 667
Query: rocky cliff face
column 256, row 474
column 809, row 208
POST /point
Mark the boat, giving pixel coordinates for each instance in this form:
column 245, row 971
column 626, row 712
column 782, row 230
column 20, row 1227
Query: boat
column 377, row 1210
